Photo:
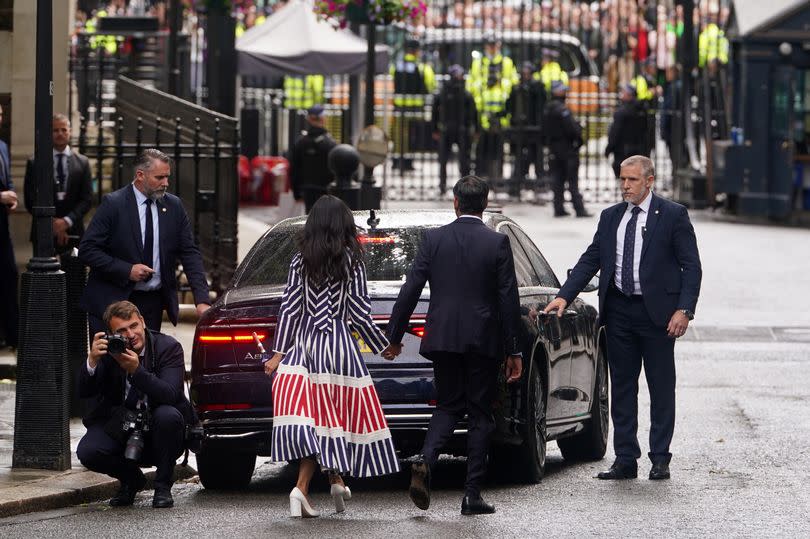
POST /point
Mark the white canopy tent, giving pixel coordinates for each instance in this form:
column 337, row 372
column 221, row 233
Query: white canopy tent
column 294, row 41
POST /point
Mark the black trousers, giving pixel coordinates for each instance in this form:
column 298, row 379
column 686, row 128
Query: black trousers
column 565, row 171
column 464, row 384
column 149, row 303
column 489, row 158
column 633, row 339
column 164, row 444
column 9, row 307
column 446, row 142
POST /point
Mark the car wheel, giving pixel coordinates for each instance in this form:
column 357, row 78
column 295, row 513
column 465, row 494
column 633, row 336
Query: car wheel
column 591, row 443
column 534, row 450
column 225, row 470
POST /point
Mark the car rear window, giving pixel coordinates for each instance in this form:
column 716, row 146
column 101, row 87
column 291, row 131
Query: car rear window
column 388, row 255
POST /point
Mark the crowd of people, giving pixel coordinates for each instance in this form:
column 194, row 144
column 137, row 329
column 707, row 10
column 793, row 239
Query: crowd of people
column 618, row 34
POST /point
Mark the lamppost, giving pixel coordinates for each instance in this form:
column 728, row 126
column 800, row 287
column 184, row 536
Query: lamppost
column 41, row 424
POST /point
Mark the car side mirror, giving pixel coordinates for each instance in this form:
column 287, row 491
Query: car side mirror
column 592, row 285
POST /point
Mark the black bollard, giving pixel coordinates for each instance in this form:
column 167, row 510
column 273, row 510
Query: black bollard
column 343, row 161
column 41, row 424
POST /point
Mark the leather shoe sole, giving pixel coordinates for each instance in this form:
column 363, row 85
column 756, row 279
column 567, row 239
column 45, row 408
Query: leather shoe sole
column 616, row 473
column 127, row 492
column 162, row 500
column 476, row 507
column 420, row 485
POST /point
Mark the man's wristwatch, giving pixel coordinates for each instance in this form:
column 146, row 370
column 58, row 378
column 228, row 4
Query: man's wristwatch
column 689, row 314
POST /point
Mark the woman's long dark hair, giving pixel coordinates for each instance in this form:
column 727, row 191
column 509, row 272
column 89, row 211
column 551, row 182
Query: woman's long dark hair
column 328, row 243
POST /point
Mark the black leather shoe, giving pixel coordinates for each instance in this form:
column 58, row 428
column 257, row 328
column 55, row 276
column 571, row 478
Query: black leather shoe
column 584, row 214
column 476, row 506
column 617, row 471
column 659, row 471
column 561, row 213
column 420, row 485
column 127, row 491
column 163, row 498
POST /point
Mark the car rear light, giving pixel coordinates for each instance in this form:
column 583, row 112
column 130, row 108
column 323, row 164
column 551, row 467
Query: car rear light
column 376, row 240
column 224, row 407
column 230, row 336
column 417, row 329
column 233, row 344
column 432, row 402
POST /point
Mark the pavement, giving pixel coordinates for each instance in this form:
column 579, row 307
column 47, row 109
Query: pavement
column 746, row 268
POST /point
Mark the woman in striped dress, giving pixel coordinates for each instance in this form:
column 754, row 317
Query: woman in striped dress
column 325, row 408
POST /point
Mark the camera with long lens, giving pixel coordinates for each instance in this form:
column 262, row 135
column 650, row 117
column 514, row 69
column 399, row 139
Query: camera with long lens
column 116, row 344
column 136, row 425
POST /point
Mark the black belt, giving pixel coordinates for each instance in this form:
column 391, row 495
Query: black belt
column 615, row 290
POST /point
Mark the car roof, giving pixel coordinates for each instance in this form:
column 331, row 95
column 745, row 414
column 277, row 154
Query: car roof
column 402, row 219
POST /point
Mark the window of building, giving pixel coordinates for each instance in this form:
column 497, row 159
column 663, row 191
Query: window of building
column 6, row 15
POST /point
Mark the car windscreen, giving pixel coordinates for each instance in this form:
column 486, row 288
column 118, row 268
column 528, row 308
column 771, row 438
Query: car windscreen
column 388, row 255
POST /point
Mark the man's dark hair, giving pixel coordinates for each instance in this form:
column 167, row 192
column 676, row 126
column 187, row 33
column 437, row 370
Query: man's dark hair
column 472, row 193
column 120, row 309
column 145, row 159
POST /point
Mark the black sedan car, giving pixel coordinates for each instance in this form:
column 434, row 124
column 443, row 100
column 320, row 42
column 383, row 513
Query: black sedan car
column 562, row 396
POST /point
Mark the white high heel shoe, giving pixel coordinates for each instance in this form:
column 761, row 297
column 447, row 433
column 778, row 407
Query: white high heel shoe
column 299, row 506
column 340, row 493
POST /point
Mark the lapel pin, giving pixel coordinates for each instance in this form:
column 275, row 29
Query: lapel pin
column 656, row 211
column 164, row 209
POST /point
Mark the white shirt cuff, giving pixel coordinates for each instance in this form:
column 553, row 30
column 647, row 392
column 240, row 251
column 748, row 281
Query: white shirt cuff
column 68, row 220
column 90, row 370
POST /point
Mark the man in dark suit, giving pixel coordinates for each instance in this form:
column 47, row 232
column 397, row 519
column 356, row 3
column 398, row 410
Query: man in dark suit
column 471, row 325
column 73, row 187
column 9, row 310
column 647, row 256
column 133, row 243
column 148, row 375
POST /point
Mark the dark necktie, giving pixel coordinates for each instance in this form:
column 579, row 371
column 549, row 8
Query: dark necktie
column 60, row 173
column 628, row 283
column 148, row 236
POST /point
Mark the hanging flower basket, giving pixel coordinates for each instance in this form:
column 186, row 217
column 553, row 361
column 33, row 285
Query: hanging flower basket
column 380, row 12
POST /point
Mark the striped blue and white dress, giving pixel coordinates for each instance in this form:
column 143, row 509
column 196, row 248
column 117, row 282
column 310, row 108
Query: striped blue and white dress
column 325, row 405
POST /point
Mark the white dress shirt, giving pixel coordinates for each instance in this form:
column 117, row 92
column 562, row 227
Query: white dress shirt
column 154, row 282
column 66, row 170
column 641, row 223
column 471, row 216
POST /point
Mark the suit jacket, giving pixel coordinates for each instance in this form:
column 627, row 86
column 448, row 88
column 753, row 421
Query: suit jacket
column 159, row 377
column 112, row 244
column 5, row 185
column 78, row 198
column 474, row 303
column 669, row 271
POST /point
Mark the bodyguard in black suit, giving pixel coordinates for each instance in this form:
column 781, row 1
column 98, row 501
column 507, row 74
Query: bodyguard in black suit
column 149, row 374
column 474, row 310
column 646, row 253
column 73, row 187
column 133, row 243
column 9, row 311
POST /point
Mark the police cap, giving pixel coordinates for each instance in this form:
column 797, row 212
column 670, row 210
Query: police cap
column 548, row 52
column 456, row 70
column 558, row 87
column 315, row 110
column 412, row 44
column 490, row 39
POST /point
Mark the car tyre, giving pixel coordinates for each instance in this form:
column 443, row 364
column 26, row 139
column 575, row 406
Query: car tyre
column 527, row 462
column 225, row 470
column 591, row 443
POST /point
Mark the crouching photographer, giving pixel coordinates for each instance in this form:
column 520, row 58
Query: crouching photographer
column 140, row 415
